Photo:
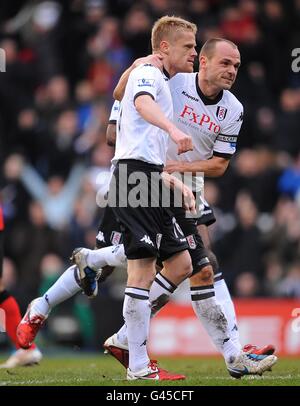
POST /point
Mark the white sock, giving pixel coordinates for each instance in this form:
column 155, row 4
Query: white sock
column 160, row 292
column 122, row 335
column 65, row 287
column 136, row 312
column 224, row 300
column 112, row 256
column 209, row 312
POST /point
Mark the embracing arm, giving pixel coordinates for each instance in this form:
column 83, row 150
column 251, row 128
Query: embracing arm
column 214, row 167
column 155, row 60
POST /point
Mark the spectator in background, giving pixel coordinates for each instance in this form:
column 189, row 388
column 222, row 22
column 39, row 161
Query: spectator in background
column 289, row 181
column 290, row 284
column 55, row 196
column 240, row 250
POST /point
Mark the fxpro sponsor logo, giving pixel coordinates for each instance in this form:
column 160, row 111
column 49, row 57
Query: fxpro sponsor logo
column 203, row 120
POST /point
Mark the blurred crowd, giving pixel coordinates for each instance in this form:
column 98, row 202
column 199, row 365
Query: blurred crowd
column 63, row 59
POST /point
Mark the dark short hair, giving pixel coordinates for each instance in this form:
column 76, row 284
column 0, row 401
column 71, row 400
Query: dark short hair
column 209, row 46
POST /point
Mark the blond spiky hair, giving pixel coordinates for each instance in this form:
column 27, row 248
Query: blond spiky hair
column 166, row 27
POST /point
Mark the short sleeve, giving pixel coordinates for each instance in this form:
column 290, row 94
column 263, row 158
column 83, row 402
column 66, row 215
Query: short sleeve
column 115, row 112
column 225, row 144
column 146, row 80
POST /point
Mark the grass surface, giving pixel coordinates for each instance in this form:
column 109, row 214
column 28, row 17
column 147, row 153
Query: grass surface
column 101, row 370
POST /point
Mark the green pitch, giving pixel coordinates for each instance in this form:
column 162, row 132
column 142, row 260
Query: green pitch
column 100, row 370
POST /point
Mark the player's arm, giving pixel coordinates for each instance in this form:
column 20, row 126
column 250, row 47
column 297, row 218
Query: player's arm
column 111, row 134
column 111, row 130
column 155, row 60
column 151, row 112
column 214, row 167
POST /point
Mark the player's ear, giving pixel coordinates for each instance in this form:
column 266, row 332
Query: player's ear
column 202, row 61
column 164, row 47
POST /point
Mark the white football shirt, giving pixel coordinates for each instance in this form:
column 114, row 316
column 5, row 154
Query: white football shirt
column 114, row 113
column 214, row 125
column 136, row 138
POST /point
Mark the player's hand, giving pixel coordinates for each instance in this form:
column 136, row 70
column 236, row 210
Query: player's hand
column 153, row 59
column 189, row 200
column 183, row 141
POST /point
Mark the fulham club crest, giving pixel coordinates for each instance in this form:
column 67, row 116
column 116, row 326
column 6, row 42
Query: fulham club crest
column 221, row 113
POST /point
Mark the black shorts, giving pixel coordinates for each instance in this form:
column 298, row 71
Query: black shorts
column 148, row 231
column 196, row 248
column 207, row 217
column 109, row 232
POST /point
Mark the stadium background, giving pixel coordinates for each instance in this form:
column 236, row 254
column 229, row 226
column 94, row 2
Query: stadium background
column 63, row 60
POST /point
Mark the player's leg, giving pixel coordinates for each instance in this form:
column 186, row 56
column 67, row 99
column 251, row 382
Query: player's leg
column 205, row 306
column 11, row 317
column 223, row 296
column 109, row 253
column 141, row 227
column 38, row 310
column 66, row 286
column 210, row 313
column 221, row 291
column 136, row 310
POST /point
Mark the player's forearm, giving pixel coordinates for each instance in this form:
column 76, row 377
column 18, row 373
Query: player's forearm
column 111, row 135
column 214, row 167
column 121, row 86
column 151, row 112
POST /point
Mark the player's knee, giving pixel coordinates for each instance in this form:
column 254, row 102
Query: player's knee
column 187, row 270
column 204, row 277
column 213, row 261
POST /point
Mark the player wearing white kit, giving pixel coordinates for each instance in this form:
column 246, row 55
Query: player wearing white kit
column 214, row 123
column 146, row 123
column 164, row 286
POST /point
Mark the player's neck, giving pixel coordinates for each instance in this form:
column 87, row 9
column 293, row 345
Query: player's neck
column 168, row 70
column 208, row 89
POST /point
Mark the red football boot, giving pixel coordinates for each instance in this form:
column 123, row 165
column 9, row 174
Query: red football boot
column 154, row 373
column 117, row 350
column 266, row 350
column 29, row 326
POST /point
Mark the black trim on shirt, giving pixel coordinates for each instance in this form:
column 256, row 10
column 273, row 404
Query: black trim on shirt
column 205, row 99
column 141, row 94
column 166, row 73
column 112, row 121
column 222, row 155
